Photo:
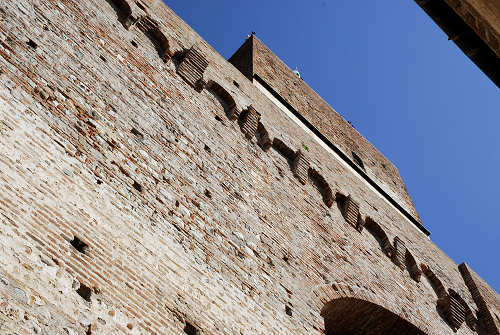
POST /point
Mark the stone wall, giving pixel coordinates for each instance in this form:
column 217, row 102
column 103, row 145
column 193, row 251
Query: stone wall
column 132, row 203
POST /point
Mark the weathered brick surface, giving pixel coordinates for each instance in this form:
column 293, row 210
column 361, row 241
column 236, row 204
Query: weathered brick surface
column 186, row 220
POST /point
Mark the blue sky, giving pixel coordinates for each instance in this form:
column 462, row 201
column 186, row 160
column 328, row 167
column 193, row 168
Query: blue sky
column 387, row 68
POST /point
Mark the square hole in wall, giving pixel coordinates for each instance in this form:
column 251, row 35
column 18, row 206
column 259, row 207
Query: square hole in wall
column 79, row 245
column 189, row 329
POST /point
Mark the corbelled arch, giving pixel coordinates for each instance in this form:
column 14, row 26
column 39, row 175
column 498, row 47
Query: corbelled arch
column 347, row 310
column 155, row 33
column 225, row 98
column 124, row 10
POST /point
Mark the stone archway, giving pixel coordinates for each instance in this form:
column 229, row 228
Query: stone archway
column 352, row 316
column 356, row 310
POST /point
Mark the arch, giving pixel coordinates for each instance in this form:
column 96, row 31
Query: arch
column 355, row 316
column 284, row 150
column 322, row 185
column 412, row 266
column 297, row 160
column 263, row 137
column 154, row 33
column 353, row 310
column 225, row 98
column 123, row 10
column 380, row 235
column 436, row 283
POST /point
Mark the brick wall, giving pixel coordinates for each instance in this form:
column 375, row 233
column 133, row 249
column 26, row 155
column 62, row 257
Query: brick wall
column 132, row 203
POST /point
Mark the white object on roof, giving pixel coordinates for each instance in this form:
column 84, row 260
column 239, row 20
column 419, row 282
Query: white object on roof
column 297, row 73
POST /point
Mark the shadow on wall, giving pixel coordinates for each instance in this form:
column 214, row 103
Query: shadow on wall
column 147, row 25
column 360, row 317
column 123, row 11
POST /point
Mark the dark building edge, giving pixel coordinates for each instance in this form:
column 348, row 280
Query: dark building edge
column 464, row 37
column 241, row 61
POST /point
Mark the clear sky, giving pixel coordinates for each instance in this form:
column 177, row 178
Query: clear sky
column 387, row 68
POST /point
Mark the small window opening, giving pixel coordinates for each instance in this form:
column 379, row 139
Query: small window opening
column 288, row 310
column 286, row 258
column 79, row 245
column 137, row 186
column 207, row 149
column 103, row 59
column 85, row 292
column 32, row 44
column 236, row 84
column 134, row 44
column 358, row 160
column 189, row 329
column 136, row 133
column 208, row 194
